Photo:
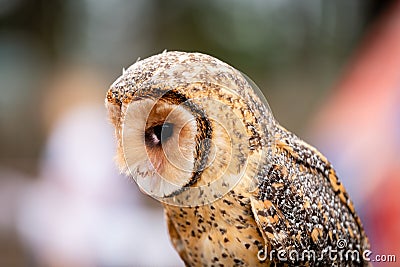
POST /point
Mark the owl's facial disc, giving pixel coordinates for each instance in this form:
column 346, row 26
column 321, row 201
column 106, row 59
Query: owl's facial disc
column 185, row 151
column 158, row 141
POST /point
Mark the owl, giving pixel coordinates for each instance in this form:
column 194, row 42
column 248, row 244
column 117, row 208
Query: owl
column 237, row 188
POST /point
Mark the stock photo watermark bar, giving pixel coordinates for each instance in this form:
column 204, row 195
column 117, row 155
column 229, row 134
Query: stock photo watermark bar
column 340, row 253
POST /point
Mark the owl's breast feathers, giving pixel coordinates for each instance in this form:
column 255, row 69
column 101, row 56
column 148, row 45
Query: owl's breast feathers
column 299, row 207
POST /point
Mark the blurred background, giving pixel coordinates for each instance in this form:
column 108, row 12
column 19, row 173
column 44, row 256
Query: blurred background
column 329, row 69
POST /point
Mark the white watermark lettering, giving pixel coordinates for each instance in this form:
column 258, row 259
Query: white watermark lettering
column 338, row 253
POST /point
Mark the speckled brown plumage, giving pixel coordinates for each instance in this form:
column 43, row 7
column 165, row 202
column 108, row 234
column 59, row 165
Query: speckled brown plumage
column 273, row 193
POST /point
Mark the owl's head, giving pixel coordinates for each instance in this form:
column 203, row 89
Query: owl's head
column 188, row 126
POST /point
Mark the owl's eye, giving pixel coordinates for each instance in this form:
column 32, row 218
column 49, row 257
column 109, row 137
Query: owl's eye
column 158, row 134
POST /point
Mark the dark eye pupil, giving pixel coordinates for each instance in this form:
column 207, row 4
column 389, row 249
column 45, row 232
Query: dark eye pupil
column 163, row 132
column 159, row 134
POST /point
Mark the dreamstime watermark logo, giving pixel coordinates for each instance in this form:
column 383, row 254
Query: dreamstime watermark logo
column 332, row 254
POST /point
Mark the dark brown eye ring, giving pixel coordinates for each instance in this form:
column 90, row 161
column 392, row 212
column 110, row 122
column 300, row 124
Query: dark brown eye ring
column 158, row 134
